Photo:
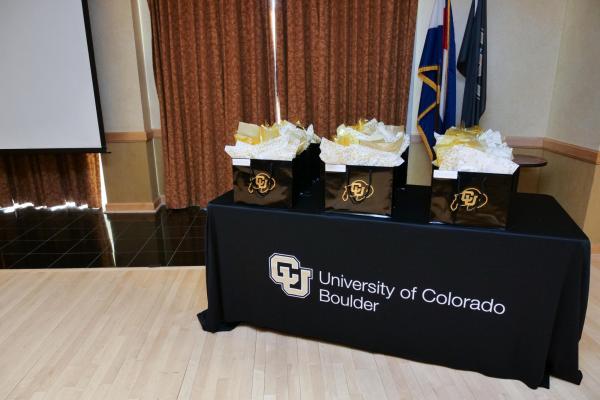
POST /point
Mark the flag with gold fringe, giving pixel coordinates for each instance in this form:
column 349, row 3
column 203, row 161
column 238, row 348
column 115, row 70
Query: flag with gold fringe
column 437, row 70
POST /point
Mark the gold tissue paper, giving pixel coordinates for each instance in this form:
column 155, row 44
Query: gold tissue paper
column 280, row 141
column 368, row 143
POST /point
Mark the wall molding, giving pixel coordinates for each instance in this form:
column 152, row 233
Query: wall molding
column 136, row 207
column 525, row 142
column 518, row 142
column 127, row 137
column 544, row 143
column 555, row 146
column 595, row 248
column 133, row 137
column 572, row 150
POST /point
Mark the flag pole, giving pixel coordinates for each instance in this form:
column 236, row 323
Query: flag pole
column 273, row 23
column 436, row 120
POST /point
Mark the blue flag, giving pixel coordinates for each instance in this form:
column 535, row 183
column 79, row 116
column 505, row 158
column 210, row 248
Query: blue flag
column 437, row 70
column 472, row 63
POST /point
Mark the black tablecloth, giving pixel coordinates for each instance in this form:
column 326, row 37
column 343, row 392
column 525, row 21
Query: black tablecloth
column 517, row 297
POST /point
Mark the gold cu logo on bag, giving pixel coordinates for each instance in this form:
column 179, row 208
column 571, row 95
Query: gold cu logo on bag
column 262, row 183
column 470, row 198
column 286, row 272
column 358, row 191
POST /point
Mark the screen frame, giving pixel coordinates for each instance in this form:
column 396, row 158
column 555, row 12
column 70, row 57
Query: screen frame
column 102, row 148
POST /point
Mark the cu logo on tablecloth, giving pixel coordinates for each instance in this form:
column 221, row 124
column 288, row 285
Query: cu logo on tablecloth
column 286, row 271
column 262, row 183
column 470, row 198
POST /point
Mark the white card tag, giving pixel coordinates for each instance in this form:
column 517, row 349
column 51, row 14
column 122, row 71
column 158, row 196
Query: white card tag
column 335, row 168
column 445, row 174
column 241, row 162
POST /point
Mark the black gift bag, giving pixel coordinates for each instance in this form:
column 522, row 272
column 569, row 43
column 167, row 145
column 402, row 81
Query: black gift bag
column 263, row 182
column 471, row 198
column 359, row 189
column 363, row 189
column 271, row 183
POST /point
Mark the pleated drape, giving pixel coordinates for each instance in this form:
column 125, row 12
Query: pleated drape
column 50, row 179
column 337, row 61
column 344, row 60
column 211, row 68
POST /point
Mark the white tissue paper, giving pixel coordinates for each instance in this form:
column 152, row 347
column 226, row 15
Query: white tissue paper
column 376, row 145
column 291, row 141
column 491, row 155
column 464, row 158
column 494, row 145
column 371, row 131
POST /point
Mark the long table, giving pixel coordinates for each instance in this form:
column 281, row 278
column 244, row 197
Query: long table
column 506, row 303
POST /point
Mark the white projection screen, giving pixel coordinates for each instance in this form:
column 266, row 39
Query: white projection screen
column 48, row 91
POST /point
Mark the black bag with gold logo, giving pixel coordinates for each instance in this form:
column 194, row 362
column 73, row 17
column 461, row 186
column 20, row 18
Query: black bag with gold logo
column 264, row 182
column 272, row 183
column 471, row 198
column 359, row 189
column 364, row 189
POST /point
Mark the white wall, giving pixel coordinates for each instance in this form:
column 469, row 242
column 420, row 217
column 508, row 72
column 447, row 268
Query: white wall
column 146, row 36
column 116, row 65
column 523, row 45
column 575, row 111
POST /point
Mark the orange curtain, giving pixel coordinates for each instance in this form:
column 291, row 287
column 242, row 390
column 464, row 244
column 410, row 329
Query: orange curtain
column 50, row 179
column 211, row 69
column 337, row 61
column 345, row 60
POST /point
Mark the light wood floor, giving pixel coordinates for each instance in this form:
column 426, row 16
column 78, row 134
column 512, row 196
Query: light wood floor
column 133, row 334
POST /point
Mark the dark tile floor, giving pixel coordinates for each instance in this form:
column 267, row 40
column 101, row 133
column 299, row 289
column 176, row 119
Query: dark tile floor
column 76, row 238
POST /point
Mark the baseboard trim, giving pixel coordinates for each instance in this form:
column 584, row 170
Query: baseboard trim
column 137, row 207
column 159, row 201
column 595, row 248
